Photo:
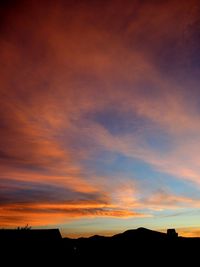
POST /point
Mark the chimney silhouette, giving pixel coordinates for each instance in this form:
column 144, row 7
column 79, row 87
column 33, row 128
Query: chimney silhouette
column 171, row 233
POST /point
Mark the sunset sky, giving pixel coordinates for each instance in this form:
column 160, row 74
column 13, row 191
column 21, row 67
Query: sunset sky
column 100, row 115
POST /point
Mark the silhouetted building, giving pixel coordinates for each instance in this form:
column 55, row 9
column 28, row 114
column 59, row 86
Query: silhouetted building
column 172, row 233
column 36, row 235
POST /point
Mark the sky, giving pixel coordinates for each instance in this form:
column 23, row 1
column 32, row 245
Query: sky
column 100, row 115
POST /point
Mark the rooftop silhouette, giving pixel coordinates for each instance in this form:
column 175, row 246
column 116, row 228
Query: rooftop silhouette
column 30, row 235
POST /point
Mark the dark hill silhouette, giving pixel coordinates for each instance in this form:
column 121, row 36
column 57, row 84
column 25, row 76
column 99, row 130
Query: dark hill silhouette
column 140, row 233
column 44, row 247
column 138, row 245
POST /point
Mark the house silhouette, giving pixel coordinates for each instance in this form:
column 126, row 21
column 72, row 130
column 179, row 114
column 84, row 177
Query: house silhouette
column 30, row 235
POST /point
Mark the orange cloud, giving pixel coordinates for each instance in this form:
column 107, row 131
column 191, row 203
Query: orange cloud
column 45, row 214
